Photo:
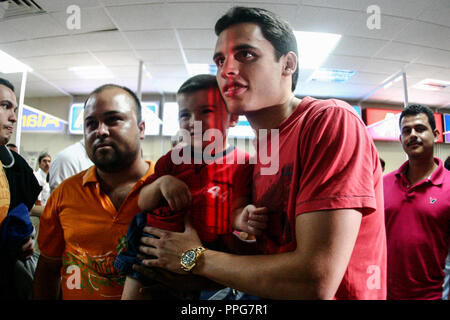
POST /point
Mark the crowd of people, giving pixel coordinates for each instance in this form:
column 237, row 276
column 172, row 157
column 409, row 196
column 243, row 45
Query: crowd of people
column 206, row 222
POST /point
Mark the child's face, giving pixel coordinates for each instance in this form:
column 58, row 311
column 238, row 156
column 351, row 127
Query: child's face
column 208, row 108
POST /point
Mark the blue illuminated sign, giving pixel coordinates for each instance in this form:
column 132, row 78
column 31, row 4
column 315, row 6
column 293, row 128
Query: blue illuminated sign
column 34, row 120
column 446, row 127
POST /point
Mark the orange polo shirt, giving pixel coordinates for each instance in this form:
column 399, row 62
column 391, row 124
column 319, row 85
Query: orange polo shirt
column 81, row 226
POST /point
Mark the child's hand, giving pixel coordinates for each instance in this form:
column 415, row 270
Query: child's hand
column 27, row 250
column 253, row 220
column 175, row 191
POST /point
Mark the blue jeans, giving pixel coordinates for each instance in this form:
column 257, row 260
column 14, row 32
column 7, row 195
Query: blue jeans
column 226, row 294
column 125, row 260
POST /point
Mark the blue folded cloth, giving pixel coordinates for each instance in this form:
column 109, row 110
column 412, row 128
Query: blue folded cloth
column 16, row 228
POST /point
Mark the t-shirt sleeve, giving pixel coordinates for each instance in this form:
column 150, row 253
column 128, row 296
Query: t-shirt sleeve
column 51, row 236
column 337, row 163
column 161, row 168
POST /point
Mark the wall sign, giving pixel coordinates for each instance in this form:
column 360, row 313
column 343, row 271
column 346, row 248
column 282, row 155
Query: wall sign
column 34, row 120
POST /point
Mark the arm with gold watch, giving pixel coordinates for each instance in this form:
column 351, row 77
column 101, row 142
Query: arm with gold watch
column 186, row 281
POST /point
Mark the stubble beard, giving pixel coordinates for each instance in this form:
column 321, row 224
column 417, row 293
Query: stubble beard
column 115, row 160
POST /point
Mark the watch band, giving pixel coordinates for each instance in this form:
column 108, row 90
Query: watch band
column 190, row 265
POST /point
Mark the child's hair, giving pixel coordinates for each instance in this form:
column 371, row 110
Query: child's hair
column 198, row 82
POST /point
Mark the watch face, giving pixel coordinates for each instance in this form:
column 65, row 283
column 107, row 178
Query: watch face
column 188, row 257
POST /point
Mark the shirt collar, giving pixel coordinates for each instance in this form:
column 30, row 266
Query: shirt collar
column 436, row 178
column 90, row 175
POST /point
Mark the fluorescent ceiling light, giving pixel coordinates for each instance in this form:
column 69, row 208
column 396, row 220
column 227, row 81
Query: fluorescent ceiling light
column 201, row 68
column 432, row 85
column 332, row 75
column 146, row 71
column 9, row 64
column 314, row 47
column 92, row 72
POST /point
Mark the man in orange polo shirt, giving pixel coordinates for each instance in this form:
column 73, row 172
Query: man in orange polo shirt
column 84, row 224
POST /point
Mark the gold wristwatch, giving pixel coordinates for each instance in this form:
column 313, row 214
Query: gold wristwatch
column 190, row 257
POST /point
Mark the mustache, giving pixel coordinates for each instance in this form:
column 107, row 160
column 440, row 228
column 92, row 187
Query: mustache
column 103, row 143
column 414, row 142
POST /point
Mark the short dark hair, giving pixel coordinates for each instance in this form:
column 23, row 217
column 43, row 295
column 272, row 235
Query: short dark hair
column 7, row 84
column 42, row 156
column 447, row 163
column 198, row 82
column 131, row 93
column 277, row 31
column 415, row 109
column 383, row 163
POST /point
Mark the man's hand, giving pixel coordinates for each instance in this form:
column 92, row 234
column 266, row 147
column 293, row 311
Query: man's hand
column 168, row 246
column 175, row 191
column 27, row 250
column 176, row 282
column 252, row 220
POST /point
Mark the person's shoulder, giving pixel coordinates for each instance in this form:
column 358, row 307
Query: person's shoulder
column 20, row 163
column 319, row 114
column 67, row 152
column 321, row 103
column 18, row 157
column 390, row 177
column 165, row 159
column 73, row 181
column 314, row 105
column 446, row 176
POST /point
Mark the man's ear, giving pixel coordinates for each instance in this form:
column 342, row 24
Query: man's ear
column 290, row 63
column 436, row 135
column 141, row 127
column 234, row 119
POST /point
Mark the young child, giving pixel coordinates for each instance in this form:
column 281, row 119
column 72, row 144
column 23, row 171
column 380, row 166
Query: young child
column 210, row 184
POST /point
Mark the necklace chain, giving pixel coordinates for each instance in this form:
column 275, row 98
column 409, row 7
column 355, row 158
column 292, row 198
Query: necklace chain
column 12, row 159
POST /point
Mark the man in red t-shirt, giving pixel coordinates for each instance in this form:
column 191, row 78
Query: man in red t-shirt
column 417, row 202
column 322, row 185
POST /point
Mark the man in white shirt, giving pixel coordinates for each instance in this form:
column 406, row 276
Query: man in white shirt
column 41, row 175
column 68, row 162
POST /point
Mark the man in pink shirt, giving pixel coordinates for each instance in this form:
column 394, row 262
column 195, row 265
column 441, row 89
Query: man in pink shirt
column 417, row 205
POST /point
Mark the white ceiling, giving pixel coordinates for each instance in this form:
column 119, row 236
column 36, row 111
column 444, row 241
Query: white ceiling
column 167, row 34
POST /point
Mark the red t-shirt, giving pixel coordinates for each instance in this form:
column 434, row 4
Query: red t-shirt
column 327, row 161
column 418, row 233
column 213, row 187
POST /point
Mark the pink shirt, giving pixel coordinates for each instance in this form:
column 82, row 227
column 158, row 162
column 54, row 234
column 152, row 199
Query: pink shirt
column 327, row 161
column 418, row 233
